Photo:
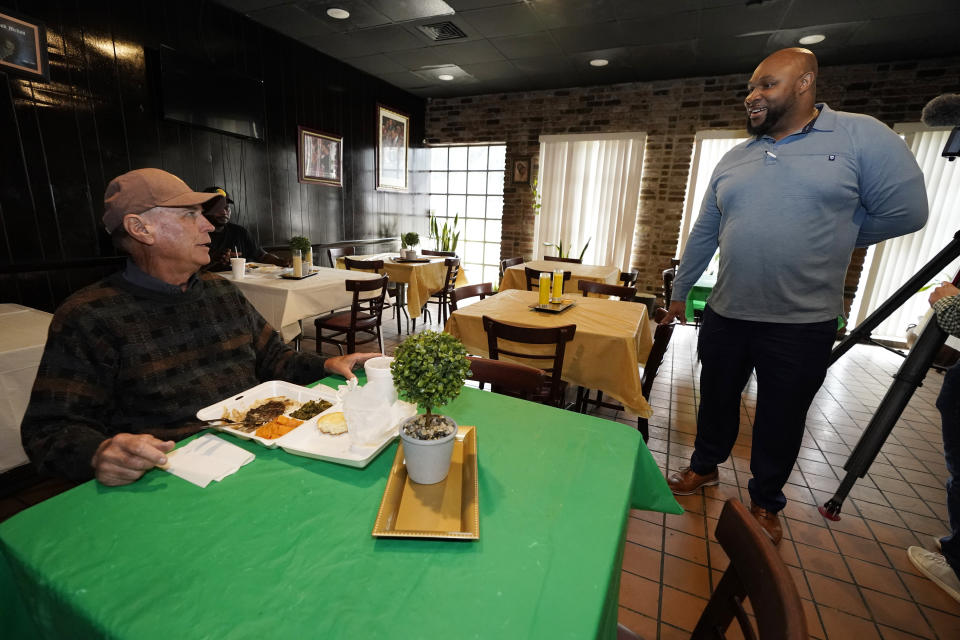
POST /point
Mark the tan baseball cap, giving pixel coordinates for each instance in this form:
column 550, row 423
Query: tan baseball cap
column 142, row 189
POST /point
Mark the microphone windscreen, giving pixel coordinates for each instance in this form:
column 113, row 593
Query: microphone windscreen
column 942, row 111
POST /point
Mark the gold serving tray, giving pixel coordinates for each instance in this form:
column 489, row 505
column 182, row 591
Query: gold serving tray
column 448, row 510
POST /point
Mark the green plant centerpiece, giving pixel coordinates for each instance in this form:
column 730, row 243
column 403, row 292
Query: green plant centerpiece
column 429, row 369
column 302, row 244
column 408, row 241
column 446, row 236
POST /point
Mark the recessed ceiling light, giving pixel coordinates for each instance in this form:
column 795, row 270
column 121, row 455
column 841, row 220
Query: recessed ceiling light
column 599, row 62
column 812, row 39
column 446, row 77
column 338, row 14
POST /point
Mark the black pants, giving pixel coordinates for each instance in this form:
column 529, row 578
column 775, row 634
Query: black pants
column 791, row 363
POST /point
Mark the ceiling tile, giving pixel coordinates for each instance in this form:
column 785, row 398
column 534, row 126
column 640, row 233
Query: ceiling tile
column 375, row 64
column 416, row 58
column 544, row 64
column 887, row 8
column 503, row 21
column 837, row 35
column 618, row 57
column 243, row 6
column 362, row 15
column 405, row 80
column 289, row 20
column 742, row 19
column 392, row 38
column 529, row 45
column 469, row 52
column 342, row 46
column 802, row 14
column 906, row 28
column 634, row 9
column 467, row 5
column 557, row 13
column 403, row 10
column 588, row 37
column 668, row 54
column 753, row 45
column 492, row 70
column 642, row 31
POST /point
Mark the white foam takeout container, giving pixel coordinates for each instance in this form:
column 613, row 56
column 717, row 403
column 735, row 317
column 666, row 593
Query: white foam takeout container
column 306, row 440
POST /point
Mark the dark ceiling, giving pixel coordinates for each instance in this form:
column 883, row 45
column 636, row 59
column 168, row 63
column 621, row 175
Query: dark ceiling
column 513, row 45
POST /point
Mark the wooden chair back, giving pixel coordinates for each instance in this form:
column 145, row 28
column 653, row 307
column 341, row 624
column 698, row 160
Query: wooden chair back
column 482, row 290
column 352, row 264
column 506, row 263
column 533, row 277
column 629, row 278
column 558, row 259
column 604, row 289
column 338, row 252
column 661, row 340
column 364, row 317
column 557, row 336
column 758, row 573
column 428, row 252
column 507, row 378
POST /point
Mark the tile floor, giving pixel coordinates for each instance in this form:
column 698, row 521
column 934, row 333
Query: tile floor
column 853, row 575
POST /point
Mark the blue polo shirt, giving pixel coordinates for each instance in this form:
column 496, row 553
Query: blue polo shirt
column 787, row 215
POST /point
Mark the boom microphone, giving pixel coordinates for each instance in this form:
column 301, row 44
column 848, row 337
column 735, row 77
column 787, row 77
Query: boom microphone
column 942, row 111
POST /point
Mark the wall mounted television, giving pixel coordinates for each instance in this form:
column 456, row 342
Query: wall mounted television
column 197, row 93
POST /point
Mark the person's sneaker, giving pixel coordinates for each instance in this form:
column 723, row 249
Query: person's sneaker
column 687, row 481
column 936, row 544
column 769, row 522
column 934, row 566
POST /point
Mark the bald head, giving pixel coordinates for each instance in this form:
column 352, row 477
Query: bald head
column 782, row 93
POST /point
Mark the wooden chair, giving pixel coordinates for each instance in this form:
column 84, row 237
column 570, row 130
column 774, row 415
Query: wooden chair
column 482, row 290
column 629, row 278
column 756, row 573
column 338, row 252
column 661, row 340
column 446, row 254
column 506, row 263
column 397, row 290
column 668, row 277
column 557, row 259
column 363, row 317
column 602, row 288
column 507, row 378
column 441, row 298
column 553, row 391
column 533, row 278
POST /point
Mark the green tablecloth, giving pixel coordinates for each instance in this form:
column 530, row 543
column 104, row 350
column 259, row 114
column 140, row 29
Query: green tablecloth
column 283, row 547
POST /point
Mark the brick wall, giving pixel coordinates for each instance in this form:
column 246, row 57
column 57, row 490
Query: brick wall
column 670, row 112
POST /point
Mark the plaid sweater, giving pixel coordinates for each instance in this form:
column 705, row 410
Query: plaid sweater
column 948, row 314
column 120, row 358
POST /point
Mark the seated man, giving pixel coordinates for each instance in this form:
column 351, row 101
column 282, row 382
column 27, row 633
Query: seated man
column 229, row 240
column 129, row 360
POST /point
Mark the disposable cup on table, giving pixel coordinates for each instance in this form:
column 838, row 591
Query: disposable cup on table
column 239, row 267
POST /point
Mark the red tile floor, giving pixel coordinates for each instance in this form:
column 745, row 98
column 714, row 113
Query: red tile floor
column 853, row 575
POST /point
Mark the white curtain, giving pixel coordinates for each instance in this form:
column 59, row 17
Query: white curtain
column 897, row 259
column 590, row 190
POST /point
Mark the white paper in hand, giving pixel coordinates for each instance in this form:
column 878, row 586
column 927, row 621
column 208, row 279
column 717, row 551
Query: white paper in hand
column 207, row 458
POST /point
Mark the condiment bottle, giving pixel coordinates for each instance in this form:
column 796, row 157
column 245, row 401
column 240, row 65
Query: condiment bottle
column 544, row 287
column 557, row 284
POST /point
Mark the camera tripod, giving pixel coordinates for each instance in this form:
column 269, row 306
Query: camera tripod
column 909, row 376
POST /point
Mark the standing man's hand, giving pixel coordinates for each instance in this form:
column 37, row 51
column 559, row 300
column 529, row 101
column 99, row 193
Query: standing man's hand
column 125, row 457
column 677, row 311
column 945, row 290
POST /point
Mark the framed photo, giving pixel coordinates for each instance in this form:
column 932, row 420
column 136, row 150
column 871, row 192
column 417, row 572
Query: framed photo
column 393, row 141
column 521, row 171
column 320, row 157
column 23, row 47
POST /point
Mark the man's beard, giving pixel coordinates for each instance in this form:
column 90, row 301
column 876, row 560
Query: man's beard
column 773, row 116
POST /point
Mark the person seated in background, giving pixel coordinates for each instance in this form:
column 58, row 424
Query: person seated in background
column 130, row 360
column 229, row 240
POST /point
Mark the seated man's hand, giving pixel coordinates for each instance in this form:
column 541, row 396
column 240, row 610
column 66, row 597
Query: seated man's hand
column 125, row 457
column 344, row 365
column 677, row 311
column 943, row 291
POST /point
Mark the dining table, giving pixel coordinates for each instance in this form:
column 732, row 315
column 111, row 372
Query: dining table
column 612, row 339
column 515, row 278
column 284, row 547
column 23, row 335
column 420, row 279
column 284, row 303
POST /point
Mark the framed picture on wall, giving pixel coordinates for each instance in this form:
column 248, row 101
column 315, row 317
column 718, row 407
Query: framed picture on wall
column 320, row 157
column 521, row 171
column 23, row 47
column 393, row 141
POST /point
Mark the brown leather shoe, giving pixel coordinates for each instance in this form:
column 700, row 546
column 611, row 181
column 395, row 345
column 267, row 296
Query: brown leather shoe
column 687, row 481
column 769, row 522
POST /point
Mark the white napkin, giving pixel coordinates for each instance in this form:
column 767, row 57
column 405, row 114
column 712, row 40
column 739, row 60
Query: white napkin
column 205, row 459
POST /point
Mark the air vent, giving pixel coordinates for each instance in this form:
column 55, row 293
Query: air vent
column 439, row 31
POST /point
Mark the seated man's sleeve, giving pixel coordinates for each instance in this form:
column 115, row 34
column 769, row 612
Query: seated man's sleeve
column 72, row 397
column 948, row 314
column 251, row 250
column 279, row 361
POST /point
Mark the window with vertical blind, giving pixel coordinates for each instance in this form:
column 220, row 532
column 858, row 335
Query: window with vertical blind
column 466, row 182
column 708, row 148
column 893, row 262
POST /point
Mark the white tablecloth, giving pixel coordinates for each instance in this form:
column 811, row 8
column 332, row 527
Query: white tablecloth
column 285, row 302
column 23, row 333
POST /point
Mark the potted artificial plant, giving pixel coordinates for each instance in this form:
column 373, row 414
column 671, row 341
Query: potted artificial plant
column 407, row 242
column 302, row 244
column 429, row 369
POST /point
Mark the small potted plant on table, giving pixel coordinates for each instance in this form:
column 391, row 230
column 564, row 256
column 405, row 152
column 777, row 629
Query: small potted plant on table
column 429, row 369
column 302, row 244
column 408, row 241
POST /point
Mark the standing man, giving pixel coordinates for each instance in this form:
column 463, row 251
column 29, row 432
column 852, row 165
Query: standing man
column 130, row 359
column 786, row 209
column 944, row 567
column 229, row 240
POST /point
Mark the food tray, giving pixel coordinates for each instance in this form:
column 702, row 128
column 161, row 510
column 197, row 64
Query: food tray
column 553, row 307
column 290, row 276
column 268, row 390
column 410, row 259
column 448, row 510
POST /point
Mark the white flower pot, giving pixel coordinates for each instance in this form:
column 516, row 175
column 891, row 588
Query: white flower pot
column 408, row 254
column 427, row 461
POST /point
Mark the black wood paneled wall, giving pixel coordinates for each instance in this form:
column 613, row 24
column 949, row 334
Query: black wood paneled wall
column 61, row 142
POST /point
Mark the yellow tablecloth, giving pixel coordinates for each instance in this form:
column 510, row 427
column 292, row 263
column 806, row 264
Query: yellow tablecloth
column 613, row 339
column 513, row 277
column 421, row 278
column 283, row 303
